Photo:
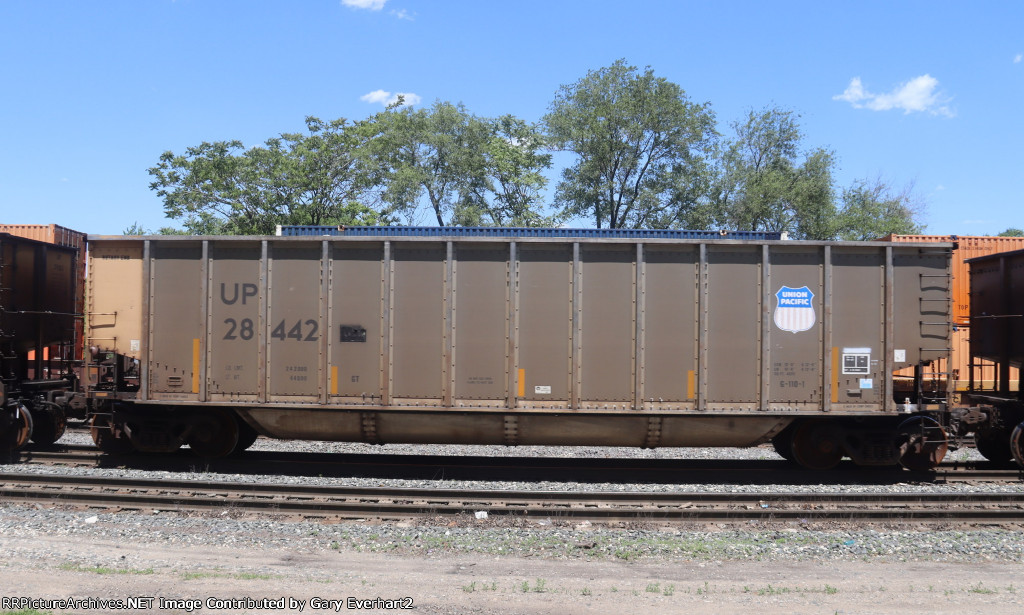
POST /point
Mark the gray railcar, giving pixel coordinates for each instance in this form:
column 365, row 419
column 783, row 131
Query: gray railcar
column 521, row 340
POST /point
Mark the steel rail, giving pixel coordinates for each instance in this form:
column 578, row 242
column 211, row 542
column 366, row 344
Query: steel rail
column 390, row 503
column 254, row 461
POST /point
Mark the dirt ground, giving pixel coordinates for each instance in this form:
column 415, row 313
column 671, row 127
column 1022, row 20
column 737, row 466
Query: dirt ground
column 338, row 581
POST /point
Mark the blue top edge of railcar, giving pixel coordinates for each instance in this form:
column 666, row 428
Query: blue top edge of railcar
column 485, row 231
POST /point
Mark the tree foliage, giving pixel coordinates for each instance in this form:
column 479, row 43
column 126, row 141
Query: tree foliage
column 639, row 142
column 1012, row 232
column 464, row 169
column 434, row 153
column 224, row 188
column 645, row 156
column 765, row 186
column 515, row 160
column 873, row 209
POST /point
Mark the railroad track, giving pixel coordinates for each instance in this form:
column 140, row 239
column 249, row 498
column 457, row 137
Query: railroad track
column 653, row 471
column 386, row 503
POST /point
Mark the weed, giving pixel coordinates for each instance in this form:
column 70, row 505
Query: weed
column 241, row 576
column 586, row 592
column 653, row 588
column 191, row 576
column 670, row 590
column 469, row 589
column 252, row 576
column 104, row 569
column 831, row 590
column 978, row 589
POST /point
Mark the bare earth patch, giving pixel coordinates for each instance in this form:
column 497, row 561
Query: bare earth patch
column 65, row 566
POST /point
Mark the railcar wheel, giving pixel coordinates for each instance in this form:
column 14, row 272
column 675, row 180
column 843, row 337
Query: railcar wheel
column 1017, row 444
column 214, row 434
column 924, row 443
column 994, row 445
column 102, row 432
column 815, row 446
column 783, row 443
column 246, row 436
column 50, row 422
column 18, row 430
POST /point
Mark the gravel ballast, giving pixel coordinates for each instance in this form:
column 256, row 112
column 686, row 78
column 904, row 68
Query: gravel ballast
column 755, row 453
column 549, row 537
column 503, row 565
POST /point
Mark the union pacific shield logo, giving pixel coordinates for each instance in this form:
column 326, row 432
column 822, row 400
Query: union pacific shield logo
column 795, row 309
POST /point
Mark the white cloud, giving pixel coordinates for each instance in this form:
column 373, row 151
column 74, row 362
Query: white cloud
column 373, row 5
column 387, row 98
column 918, row 94
column 1017, row 58
column 402, row 14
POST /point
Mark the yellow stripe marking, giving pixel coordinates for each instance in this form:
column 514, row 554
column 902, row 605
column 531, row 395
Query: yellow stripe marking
column 691, row 384
column 522, row 383
column 195, row 364
column 334, row 380
column 835, row 374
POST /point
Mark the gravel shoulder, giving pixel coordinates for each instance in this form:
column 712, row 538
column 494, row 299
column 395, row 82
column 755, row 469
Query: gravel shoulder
column 124, row 555
column 470, row 566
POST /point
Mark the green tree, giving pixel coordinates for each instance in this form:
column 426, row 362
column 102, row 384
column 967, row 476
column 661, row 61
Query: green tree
column 1012, row 232
column 135, row 229
column 325, row 174
column 224, row 188
column 515, row 162
column 435, row 153
column 463, row 169
column 639, row 141
column 873, row 209
column 764, row 186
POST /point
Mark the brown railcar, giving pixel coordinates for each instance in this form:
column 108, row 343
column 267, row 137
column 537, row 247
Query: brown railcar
column 997, row 336
column 966, row 371
column 520, row 340
column 40, row 293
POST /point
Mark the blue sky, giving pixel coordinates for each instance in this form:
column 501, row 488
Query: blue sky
column 91, row 93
